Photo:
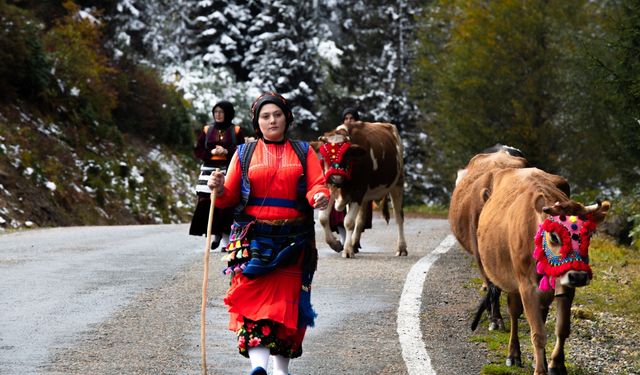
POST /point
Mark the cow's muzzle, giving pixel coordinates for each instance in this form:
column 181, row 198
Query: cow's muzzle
column 336, row 180
column 575, row 279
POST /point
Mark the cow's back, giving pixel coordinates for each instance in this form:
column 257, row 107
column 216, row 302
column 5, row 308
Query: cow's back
column 509, row 221
column 469, row 195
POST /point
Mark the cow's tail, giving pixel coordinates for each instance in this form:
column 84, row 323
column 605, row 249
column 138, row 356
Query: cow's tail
column 385, row 208
column 492, row 293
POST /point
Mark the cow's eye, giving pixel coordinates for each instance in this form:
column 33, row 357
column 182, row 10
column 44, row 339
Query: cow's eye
column 554, row 242
column 554, row 238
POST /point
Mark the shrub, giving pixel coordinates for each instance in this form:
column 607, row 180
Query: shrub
column 24, row 68
column 151, row 108
column 623, row 219
column 81, row 67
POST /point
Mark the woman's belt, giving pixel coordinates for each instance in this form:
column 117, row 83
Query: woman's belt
column 293, row 221
column 281, row 229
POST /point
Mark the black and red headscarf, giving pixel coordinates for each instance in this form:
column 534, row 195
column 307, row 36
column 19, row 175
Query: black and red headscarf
column 273, row 98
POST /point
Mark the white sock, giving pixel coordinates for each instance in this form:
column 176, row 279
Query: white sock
column 259, row 356
column 280, row 365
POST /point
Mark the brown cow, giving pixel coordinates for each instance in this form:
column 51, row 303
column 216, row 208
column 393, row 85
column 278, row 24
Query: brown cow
column 362, row 162
column 469, row 195
column 532, row 240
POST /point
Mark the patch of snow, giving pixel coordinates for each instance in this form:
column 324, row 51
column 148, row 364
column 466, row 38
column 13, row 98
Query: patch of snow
column 28, row 223
column 51, row 185
column 28, row 171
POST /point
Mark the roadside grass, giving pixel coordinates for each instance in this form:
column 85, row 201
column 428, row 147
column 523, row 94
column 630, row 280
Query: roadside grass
column 614, row 290
column 429, row 211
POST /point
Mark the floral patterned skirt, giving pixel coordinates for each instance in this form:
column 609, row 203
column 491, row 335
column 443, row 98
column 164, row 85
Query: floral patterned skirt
column 269, row 334
column 264, row 311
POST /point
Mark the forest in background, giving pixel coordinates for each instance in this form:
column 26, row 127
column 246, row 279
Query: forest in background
column 102, row 84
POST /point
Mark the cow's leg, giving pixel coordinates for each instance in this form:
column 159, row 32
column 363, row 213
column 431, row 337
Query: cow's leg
column 563, row 329
column 349, row 225
column 396, row 198
column 323, row 217
column 495, row 317
column 532, row 309
column 514, row 304
column 361, row 218
column 493, row 292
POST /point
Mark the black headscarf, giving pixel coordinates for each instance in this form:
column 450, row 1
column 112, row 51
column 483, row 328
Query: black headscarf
column 352, row 111
column 229, row 113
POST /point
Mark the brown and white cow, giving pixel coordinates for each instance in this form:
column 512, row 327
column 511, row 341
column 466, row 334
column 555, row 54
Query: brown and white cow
column 472, row 189
column 362, row 162
column 533, row 243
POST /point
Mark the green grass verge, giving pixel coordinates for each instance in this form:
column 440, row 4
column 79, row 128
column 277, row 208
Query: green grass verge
column 435, row 211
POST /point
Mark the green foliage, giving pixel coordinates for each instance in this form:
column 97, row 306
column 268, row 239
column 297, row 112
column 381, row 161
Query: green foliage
column 556, row 79
column 24, row 68
column 81, row 67
column 493, row 81
column 623, row 218
column 616, row 280
column 617, row 69
column 150, row 108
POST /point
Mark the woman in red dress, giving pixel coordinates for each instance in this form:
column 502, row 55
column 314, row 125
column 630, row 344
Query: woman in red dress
column 274, row 183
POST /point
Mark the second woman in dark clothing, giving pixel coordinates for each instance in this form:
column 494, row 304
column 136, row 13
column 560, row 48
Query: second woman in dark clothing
column 216, row 144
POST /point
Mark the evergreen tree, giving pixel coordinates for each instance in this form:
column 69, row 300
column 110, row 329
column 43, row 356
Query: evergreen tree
column 283, row 56
column 150, row 31
column 218, row 33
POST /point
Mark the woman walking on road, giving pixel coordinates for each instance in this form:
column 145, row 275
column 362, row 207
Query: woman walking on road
column 274, row 183
column 215, row 146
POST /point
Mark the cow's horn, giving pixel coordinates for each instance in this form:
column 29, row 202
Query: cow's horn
column 594, row 207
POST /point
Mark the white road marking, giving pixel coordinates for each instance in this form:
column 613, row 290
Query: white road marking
column 414, row 353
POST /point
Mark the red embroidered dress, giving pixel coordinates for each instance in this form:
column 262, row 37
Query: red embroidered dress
column 273, row 173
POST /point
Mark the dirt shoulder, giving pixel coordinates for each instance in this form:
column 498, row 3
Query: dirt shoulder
column 447, row 310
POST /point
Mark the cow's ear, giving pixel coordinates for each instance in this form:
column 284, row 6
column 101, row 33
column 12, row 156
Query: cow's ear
column 486, row 193
column 315, row 145
column 355, row 151
column 539, row 204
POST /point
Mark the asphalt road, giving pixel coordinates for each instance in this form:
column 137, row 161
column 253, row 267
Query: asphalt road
column 126, row 300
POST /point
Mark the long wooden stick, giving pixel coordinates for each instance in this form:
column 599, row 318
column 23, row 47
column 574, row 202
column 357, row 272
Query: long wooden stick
column 205, row 284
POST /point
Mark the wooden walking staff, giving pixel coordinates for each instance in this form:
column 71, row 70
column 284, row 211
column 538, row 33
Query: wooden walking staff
column 205, row 283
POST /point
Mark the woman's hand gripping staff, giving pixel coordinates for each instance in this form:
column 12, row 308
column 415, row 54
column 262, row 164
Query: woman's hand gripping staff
column 216, row 182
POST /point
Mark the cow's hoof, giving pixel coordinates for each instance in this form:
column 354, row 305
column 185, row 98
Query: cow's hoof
column 401, row 253
column 335, row 246
column 497, row 325
column 348, row 254
column 512, row 361
column 557, row 371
